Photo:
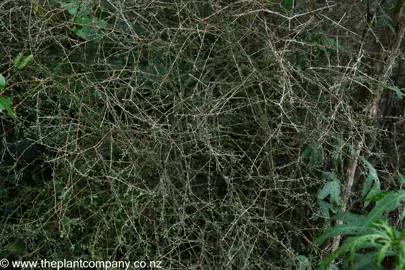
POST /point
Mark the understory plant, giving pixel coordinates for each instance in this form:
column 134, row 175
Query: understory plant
column 371, row 238
column 85, row 24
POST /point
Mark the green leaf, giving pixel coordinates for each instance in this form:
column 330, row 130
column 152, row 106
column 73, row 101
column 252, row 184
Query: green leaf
column 399, row 93
column 325, row 207
column 401, row 217
column 72, row 11
column 101, row 23
column 5, row 104
column 307, row 150
column 401, row 178
column 375, row 192
column 390, row 202
column 17, row 60
column 366, row 261
column 393, row 88
column 332, row 189
column 338, row 154
column 381, row 255
column 346, row 229
column 2, row 82
column 84, row 20
column 287, row 4
column 352, row 244
column 84, row 33
column 350, row 218
column 372, row 184
column 25, row 62
column 315, row 153
column 386, row 20
column 377, row 197
column 303, row 262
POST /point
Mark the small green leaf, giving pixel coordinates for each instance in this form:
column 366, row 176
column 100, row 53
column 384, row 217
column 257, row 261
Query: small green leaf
column 72, row 11
column 2, row 82
column 17, row 60
column 25, row 62
column 84, row 33
column 5, row 104
column 101, row 23
column 401, row 178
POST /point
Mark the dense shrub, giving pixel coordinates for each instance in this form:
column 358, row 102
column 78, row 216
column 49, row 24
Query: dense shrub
column 197, row 133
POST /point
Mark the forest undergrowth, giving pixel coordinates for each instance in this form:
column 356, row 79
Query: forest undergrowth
column 203, row 134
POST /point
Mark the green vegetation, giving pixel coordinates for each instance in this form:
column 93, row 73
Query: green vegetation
column 203, row 134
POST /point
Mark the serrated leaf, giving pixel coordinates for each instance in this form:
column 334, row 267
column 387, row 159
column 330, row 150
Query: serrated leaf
column 2, row 82
column 332, row 189
column 345, row 229
column 5, row 104
column 389, row 203
column 351, row 244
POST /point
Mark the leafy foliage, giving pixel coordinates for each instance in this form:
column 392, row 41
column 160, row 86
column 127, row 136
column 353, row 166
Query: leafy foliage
column 86, row 25
column 206, row 134
column 372, row 185
column 369, row 231
column 331, row 189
